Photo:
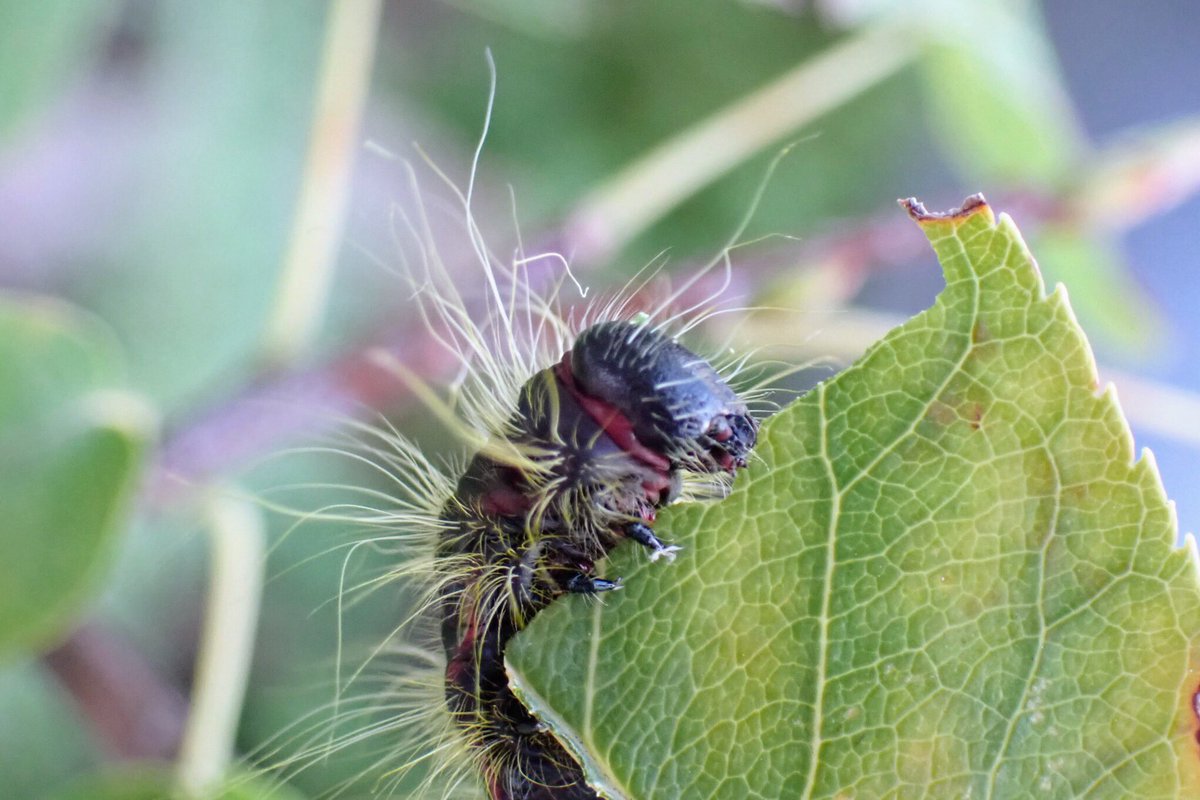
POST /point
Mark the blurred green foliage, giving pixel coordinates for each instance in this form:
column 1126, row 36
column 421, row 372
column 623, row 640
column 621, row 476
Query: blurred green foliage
column 150, row 783
column 44, row 739
column 69, row 457
column 45, row 46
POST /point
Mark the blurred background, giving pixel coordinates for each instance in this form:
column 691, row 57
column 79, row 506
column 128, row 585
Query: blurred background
column 199, row 252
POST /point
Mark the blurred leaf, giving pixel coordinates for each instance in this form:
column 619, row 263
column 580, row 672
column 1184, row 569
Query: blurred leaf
column 70, row 450
column 155, row 588
column 992, row 83
column 572, row 112
column 306, row 620
column 153, row 782
column 945, row 576
column 1107, row 300
column 41, row 44
column 42, row 743
column 192, row 272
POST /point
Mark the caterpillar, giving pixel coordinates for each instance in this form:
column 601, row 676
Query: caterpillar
column 579, row 432
column 580, row 425
column 608, row 430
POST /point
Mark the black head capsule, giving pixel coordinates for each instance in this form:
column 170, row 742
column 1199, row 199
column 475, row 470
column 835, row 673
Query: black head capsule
column 674, row 402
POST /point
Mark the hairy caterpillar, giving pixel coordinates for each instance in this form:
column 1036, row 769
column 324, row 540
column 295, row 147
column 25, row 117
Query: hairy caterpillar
column 580, row 425
column 607, row 431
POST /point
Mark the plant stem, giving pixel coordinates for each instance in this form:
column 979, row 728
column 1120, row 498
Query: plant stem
column 639, row 195
column 307, row 272
column 227, row 642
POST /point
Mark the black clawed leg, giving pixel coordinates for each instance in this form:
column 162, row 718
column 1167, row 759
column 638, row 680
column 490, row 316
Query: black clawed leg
column 585, row 584
column 641, row 533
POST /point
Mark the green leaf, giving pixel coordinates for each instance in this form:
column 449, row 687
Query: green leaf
column 994, row 92
column 944, row 576
column 188, row 282
column 42, row 741
column 41, row 45
column 70, row 448
column 156, row 783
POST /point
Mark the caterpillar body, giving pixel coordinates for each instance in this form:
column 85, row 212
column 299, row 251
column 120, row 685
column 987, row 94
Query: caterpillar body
column 581, row 426
column 610, row 427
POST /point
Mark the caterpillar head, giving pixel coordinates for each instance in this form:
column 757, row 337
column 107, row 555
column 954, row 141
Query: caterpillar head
column 672, row 400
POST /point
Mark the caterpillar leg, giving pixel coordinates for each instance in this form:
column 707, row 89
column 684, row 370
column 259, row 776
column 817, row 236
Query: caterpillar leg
column 573, row 571
column 643, row 534
column 579, row 583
